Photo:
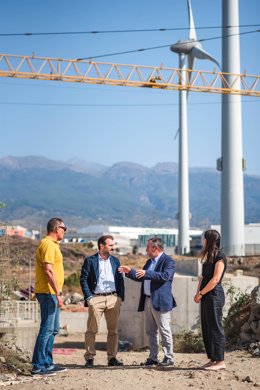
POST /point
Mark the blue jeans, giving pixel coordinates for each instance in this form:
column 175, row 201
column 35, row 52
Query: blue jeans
column 42, row 355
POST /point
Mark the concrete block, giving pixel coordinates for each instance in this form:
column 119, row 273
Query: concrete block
column 77, row 321
column 186, row 315
column 188, row 267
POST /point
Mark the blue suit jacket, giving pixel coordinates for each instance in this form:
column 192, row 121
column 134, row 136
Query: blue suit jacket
column 90, row 274
column 161, row 283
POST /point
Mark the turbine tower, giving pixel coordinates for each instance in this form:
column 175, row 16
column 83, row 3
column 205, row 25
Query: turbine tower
column 231, row 164
column 192, row 49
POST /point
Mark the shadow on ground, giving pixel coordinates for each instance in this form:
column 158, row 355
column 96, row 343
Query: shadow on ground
column 100, row 345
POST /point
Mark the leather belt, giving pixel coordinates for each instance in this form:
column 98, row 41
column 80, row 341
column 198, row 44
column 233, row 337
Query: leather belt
column 105, row 294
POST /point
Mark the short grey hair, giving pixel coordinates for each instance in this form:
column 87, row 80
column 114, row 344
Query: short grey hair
column 53, row 223
column 157, row 242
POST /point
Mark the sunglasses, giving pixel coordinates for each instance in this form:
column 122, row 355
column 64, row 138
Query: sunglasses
column 63, row 228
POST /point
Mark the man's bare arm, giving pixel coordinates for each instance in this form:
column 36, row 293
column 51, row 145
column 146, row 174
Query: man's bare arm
column 50, row 275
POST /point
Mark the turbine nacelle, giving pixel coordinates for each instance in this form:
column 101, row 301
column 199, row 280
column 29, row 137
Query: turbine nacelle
column 184, row 47
column 192, row 47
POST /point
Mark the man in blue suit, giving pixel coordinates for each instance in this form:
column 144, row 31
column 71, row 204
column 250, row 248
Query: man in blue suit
column 156, row 299
column 103, row 288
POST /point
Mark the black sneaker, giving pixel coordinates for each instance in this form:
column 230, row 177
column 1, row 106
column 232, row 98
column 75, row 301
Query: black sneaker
column 42, row 372
column 166, row 362
column 89, row 363
column 150, row 362
column 114, row 362
column 57, row 369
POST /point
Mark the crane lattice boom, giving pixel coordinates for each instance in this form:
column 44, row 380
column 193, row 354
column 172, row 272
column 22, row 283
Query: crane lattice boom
column 89, row 72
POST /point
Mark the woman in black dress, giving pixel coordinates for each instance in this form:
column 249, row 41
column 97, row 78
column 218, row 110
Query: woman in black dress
column 210, row 294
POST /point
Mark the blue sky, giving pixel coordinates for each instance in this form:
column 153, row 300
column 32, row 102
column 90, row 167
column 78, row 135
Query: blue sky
column 127, row 124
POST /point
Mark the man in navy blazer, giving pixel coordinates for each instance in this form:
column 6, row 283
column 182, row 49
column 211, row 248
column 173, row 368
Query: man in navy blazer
column 156, row 299
column 103, row 288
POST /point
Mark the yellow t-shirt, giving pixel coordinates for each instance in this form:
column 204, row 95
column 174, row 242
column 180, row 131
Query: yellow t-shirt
column 48, row 251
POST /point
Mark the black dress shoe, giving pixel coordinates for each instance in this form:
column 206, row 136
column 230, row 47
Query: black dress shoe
column 114, row 362
column 89, row 363
column 166, row 362
column 150, row 362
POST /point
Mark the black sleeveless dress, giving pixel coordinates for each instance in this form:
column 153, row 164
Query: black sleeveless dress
column 211, row 311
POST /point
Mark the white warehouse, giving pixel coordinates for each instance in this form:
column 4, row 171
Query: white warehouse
column 129, row 238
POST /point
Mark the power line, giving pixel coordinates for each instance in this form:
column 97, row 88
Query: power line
column 163, row 46
column 114, row 105
column 123, row 52
column 120, row 31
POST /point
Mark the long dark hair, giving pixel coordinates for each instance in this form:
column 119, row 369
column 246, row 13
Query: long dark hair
column 210, row 250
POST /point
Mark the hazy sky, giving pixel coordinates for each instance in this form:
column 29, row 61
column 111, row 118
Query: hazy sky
column 58, row 120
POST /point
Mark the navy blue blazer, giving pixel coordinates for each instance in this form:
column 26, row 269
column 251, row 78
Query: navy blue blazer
column 90, row 274
column 161, row 283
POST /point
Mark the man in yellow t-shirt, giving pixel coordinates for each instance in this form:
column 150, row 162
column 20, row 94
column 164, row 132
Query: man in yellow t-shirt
column 49, row 281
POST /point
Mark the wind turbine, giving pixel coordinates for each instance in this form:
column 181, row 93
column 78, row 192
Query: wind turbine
column 231, row 162
column 192, row 49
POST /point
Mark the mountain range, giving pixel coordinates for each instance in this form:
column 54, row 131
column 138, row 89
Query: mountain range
column 35, row 189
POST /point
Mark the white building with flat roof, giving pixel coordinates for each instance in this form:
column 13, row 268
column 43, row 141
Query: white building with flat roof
column 252, row 238
column 128, row 237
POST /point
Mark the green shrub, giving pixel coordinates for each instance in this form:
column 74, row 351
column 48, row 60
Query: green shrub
column 238, row 312
column 72, row 280
column 188, row 342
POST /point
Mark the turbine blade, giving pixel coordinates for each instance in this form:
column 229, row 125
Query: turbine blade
column 192, row 31
column 198, row 52
column 177, row 133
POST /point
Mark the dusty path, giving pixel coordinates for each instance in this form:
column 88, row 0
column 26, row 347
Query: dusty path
column 243, row 371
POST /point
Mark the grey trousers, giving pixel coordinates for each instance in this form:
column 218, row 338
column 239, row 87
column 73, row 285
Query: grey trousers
column 158, row 322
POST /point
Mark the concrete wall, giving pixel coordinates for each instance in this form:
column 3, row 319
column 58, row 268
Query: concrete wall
column 77, row 321
column 184, row 317
column 25, row 332
column 131, row 323
column 190, row 267
column 252, row 249
column 24, row 335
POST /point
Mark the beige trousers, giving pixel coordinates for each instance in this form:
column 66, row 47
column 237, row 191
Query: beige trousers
column 110, row 306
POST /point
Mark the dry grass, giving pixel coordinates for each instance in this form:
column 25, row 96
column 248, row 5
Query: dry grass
column 23, row 251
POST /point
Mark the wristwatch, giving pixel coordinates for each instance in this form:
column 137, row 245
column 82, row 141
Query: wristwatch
column 201, row 294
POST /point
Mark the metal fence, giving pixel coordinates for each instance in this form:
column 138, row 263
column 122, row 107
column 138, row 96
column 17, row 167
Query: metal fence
column 13, row 313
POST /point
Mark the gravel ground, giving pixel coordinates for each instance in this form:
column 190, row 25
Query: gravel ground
column 242, row 371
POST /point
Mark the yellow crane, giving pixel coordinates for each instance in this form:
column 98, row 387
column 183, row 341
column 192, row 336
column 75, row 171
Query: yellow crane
column 90, row 72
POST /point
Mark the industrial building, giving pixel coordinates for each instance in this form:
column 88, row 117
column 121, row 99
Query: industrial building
column 252, row 238
column 133, row 239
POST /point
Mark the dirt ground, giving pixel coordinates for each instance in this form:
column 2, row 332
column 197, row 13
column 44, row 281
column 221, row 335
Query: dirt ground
column 242, row 371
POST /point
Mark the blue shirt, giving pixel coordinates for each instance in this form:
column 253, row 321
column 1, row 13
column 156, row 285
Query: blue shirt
column 106, row 280
column 147, row 283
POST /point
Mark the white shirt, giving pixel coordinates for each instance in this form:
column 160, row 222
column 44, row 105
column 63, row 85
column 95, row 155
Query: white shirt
column 106, row 280
column 147, row 283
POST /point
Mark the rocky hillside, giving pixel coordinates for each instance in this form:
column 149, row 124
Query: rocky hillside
column 35, row 189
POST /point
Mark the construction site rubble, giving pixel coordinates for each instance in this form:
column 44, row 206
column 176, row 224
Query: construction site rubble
column 250, row 331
